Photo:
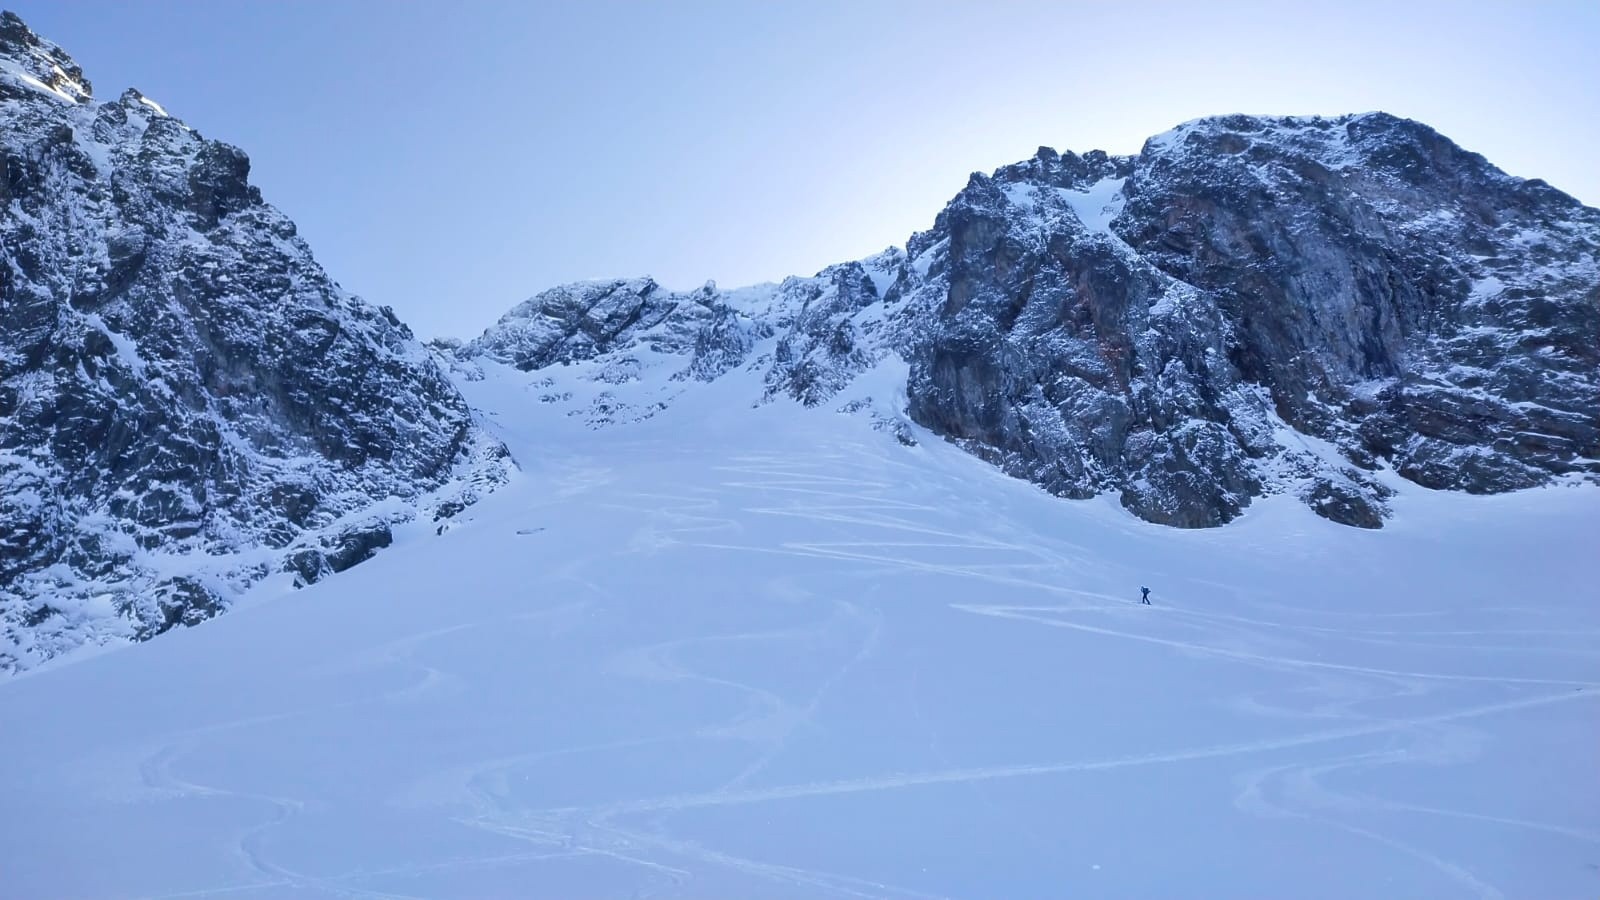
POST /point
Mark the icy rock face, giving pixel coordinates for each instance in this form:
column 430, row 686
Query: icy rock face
column 1059, row 353
column 580, row 321
column 1142, row 324
column 1395, row 293
column 187, row 402
column 832, row 328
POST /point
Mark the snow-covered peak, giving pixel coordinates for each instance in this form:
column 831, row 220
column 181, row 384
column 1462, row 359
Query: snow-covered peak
column 144, row 104
column 1279, row 129
column 1068, row 171
column 1378, row 141
column 34, row 64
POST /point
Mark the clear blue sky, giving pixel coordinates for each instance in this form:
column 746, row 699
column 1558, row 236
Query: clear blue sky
column 451, row 159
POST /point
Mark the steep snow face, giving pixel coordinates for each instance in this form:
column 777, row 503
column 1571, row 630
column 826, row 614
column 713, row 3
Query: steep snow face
column 730, row 652
column 187, row 402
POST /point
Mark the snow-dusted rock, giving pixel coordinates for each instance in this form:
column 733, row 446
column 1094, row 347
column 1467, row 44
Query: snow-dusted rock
column 187, row 402
column 814, row 335
column 1395, row 293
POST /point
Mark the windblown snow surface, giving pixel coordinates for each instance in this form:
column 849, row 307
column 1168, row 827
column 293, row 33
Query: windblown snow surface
column 754, row 650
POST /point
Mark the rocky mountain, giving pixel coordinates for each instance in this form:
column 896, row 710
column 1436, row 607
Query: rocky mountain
column 188, row 404
column 819, row 342
column 1249, row 305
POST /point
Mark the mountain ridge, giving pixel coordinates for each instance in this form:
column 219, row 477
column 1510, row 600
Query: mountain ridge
column 1311, row 330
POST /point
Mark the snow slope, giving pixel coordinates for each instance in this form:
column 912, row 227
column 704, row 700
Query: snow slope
column 738, row 650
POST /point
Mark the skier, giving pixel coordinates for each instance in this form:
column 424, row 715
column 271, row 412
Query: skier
column 1145, row 597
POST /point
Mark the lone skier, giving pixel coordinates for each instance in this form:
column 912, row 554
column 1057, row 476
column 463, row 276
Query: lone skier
column 1145, row 596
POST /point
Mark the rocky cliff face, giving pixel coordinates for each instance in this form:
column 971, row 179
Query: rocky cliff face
column 1249, row 305
column 1361, row 279
column 187, row 402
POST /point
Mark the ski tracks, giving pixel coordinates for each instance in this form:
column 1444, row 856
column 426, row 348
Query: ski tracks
column 859, row 503
column 156, row 772
column 869, row 528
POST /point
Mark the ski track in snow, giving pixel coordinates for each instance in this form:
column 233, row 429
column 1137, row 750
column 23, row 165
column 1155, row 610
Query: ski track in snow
column 1347, row 714
column 156, row 771
column 829, row 499
column 852, row 502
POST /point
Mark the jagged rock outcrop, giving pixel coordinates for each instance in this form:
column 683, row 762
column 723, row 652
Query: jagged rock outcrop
column 832, row 334
column 823, row 330
column 580, row 321
column 187, row 402
column 1361, row 278
column 1249, row 305
column 1394, row 292
column 1065, row 357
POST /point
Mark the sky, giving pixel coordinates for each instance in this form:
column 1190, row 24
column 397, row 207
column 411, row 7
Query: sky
column 451, row 160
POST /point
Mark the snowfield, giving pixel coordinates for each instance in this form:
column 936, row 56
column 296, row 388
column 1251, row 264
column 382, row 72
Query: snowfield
column 752, row 650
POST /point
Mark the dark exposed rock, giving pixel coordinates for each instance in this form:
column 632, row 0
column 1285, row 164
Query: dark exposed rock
column 1372, row 250
column 357, row 545
column 1074, row 362
column 182, row 388
column 181, row 601
column 308, row 565
column 1362, row 278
